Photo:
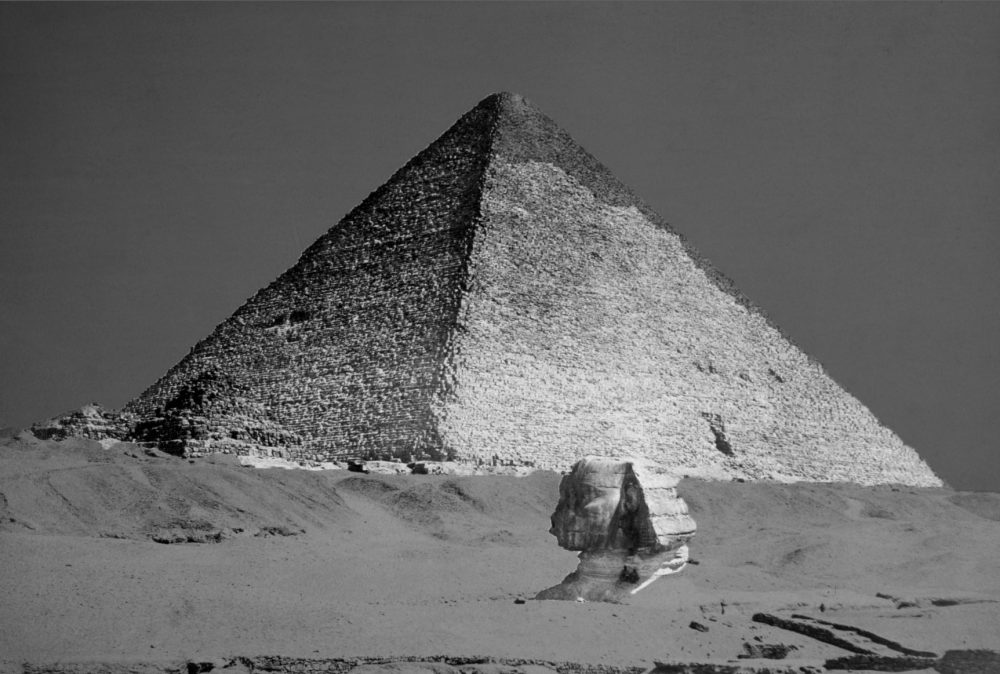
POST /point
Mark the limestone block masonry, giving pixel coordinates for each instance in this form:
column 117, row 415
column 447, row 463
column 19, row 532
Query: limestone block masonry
column 503, row 299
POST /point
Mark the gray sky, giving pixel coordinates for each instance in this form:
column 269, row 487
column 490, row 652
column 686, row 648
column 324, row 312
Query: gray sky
column 841, row 162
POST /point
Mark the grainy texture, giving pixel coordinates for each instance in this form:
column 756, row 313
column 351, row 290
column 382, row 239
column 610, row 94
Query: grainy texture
column 504, row 300
column 90, row 421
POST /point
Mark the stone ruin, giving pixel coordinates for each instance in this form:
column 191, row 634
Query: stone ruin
column 90, row 421
column 627, row 521
column 504, row 300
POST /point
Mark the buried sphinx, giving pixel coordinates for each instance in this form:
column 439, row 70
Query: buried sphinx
column 627, row 521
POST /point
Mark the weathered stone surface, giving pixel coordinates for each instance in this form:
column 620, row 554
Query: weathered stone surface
column 383, row 467
column 90, row 421
column 443, row 468
column 620, row 504
column 504, row 300
column 766, row 651
column 627, row 521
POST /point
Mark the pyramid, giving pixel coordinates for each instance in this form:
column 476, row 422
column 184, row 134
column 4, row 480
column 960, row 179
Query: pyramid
column 503, row 299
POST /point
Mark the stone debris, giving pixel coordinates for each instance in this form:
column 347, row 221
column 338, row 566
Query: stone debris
column 813, row 631
column 435, row 664
column 883, row 663
column 627, row 521
column 870, row 636
column 766, row 651
column 728, row 668
column 443, row 468
column 503, row 300
column 853, row 639
column 278, row 462
column 90, row 421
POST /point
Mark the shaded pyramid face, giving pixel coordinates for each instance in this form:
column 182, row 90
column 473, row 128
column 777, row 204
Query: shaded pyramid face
column 504, row 299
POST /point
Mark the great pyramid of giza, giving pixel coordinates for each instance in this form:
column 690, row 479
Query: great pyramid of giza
column 504, row 299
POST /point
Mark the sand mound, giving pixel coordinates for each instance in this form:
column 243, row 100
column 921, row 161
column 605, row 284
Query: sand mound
column 468, row 509
column 843, row 535
column 77, row 487
column 984, row 504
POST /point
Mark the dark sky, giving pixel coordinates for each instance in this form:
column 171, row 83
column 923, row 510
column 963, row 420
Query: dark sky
column 841, row 162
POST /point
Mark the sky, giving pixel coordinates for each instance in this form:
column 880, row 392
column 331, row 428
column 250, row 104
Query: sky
column 840, row 162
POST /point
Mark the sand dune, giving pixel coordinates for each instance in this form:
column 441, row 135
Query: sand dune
column 334, row 564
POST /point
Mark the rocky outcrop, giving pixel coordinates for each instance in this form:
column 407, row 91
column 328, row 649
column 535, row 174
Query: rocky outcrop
column 627, row 521
column 90, row 421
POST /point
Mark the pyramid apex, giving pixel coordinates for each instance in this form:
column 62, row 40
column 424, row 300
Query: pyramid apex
column 504, row 96
column 506, row 100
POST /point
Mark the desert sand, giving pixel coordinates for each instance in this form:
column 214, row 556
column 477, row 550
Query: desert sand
column 128, row 559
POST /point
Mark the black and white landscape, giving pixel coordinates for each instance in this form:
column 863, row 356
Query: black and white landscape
column 336, row 431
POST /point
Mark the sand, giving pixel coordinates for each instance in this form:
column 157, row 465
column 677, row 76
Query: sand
column 321, row 565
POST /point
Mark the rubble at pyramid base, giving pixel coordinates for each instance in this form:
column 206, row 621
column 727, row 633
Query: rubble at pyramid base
column 193, row 436
column 257, row 444
column 90, row 421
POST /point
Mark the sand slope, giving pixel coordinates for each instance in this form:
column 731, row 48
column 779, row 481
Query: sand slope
column 338, row 564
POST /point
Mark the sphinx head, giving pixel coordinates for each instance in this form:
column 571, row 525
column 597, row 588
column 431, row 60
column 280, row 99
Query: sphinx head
column 589, row 503
column 605, row 505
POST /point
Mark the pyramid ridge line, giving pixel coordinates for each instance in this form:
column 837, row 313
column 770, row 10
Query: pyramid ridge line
column 492, row 104
column 503, row 105
column 489, row 106
column 512, row 105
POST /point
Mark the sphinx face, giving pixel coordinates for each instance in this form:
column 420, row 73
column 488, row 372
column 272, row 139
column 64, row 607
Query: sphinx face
column 589, row 507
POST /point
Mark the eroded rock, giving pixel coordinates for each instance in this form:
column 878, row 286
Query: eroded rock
column 90, row 421
column 627, row 521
